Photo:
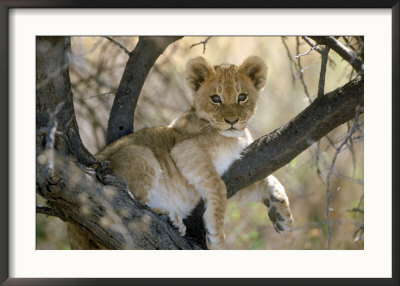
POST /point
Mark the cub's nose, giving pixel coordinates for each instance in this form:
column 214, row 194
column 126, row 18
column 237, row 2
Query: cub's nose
column 230, row 121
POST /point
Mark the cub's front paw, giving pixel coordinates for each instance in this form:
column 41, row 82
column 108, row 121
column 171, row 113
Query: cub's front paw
column 215, row 242
column 177, row 222
column 174, row 218
column 279, row 212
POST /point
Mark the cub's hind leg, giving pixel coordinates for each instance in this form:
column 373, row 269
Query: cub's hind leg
column 138, row 166
column 141, row 170
column 272, row 194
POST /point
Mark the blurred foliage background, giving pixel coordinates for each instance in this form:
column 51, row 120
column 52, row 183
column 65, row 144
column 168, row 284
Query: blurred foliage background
column 97, row 65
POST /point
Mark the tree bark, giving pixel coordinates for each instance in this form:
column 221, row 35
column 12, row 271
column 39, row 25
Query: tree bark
column 84, row 191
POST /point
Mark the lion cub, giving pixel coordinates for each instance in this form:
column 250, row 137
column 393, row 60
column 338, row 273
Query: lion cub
column 170, row 168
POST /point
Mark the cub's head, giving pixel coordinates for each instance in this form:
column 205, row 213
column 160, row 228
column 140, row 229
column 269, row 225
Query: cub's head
column 226, row 95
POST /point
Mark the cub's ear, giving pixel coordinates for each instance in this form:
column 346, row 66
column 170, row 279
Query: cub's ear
column 197, row 71
column 255, row 68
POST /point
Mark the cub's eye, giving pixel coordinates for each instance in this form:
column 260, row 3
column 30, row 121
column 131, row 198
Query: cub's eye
column 216, row 99
column 242, row 97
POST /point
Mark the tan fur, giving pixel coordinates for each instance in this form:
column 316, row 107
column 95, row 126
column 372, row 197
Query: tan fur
column 170, row 168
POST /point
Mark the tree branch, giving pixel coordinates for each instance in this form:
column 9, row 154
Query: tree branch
column 45, row 210
column 272, row 151
column 140, row 61
column 342, row 50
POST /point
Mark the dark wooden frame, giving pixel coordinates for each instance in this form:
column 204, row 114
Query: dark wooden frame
column 5, row 7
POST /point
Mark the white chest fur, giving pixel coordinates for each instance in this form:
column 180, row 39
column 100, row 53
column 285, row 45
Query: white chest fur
column 226, row 154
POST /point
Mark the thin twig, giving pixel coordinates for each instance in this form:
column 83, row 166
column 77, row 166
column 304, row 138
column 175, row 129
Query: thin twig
column 329, row 195
column 300, row 71
column 353, row 154
column 331, row 142
column 298, row 67
column 306, row 53
column 308, row 41
column 349, row 179
column 313, row 46
column 321, row 224
column 204, row 43
column 317, row 156
column 98, row 95
column 292, row 62
column 356, row 210
column 359, row 233
column 361, row 201
column 126, row 51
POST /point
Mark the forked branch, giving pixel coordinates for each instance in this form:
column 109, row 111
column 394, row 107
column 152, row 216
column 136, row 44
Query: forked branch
column 140, row 61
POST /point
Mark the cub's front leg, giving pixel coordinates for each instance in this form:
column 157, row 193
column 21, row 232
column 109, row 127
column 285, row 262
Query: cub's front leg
column 271, row 193
column 197, row 168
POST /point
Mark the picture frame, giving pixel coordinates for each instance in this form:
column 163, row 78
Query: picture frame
column 6, row 6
